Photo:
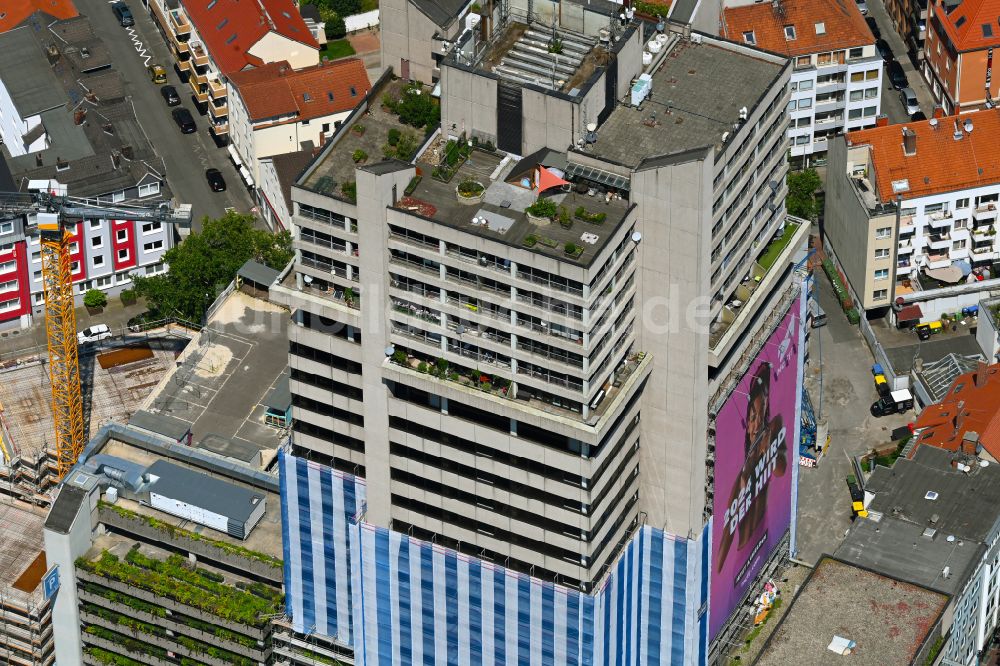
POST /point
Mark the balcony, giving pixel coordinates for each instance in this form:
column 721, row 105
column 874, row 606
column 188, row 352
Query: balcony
column 751, row 293
column 940, row 240
column 179, row 22
column 986, row 212
column 938, row 260
column 905, row 246
column 199, row 54
column 983, row 232
column 905, row 224
column 984, row 253
column 196, row 88
column 216, row 88
column 218, row 111
column 182, row 47
column 220, row 129
column 940, row 219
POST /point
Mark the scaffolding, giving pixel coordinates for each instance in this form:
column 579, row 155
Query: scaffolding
column 26, row 635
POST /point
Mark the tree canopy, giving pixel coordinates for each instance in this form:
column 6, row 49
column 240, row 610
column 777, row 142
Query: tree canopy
column 802, row 188
column 204, row 263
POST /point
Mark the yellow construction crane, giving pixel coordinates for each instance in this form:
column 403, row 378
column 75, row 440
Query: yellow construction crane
column 51, row 216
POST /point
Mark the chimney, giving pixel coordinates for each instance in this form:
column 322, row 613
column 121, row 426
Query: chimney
column 958, row 131
column 882, row 121
column 938, row 112
column 128, row 153
column 980, row 378
column 79, row 116
column 115, row 160
column 909, row 142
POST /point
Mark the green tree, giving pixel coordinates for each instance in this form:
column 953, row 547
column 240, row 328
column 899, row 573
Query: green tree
column 206, row 262
column 334, row 26
column 95, row 298
column 802, row 187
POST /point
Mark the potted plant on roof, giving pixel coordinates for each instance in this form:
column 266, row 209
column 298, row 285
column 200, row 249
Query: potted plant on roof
column 541, row 212
column 470, row 192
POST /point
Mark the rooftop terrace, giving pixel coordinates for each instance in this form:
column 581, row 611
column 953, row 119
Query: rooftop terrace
column 696, row 96
column 526, row 54
column 368, row 132
column 887, row 619
column 503, row 208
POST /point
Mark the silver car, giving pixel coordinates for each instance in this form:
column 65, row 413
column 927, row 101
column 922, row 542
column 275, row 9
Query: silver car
column 863, row 6
column 909, row 100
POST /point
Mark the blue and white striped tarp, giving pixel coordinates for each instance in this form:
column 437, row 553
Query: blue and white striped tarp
column 399, row 600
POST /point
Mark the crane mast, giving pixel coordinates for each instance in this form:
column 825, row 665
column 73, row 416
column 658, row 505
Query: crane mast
column 53, row 216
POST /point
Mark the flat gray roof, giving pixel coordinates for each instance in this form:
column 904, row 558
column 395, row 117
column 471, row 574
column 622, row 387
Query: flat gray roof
column 280, row 397
column 888, row 620
column 161, row 424
column 697, row 92
column 26, row 75
column 894, row 542
column 64, row 509
column 203, row 491
column 259, row 274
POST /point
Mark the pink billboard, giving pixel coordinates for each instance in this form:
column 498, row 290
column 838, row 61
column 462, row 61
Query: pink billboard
column 754, row 458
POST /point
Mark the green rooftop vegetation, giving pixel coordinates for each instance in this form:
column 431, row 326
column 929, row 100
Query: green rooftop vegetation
column 105, row 657
column 775, row 248
column 175, row 532
column 170, row 578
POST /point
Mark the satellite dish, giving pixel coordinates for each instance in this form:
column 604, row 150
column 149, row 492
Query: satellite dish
column 591, row 127
column 636, row 236
column 307, row 279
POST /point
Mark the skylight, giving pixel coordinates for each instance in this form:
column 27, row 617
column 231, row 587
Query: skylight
column 960, row 22
column 286, row 14
column 900, row 185
column 354, row 93
column 329, row 96
column 789, row 32
column 306, row 97
column 232, row 38
column 212, row 4
column 821, row 28
column 749, row 37
column 987, row 30
column 222, row 24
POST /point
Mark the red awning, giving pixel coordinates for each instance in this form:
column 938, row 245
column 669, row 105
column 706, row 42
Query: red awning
column 910, row 313
column 545, row 179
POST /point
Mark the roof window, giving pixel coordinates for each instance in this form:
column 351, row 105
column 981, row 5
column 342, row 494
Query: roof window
column 222, row 24
column 749, row 37
column 900, row 185
column 212, row 4
column 232, row 38
column 960, row 22
column 987, row 30
column 789, row 32
column 821, row 28
column 306, row 97
column 354, row 92
column 329, row 96
column 286, row 14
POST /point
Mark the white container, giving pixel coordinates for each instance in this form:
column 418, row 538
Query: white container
column 653, row 46
column 661, row 38
column 111, row 495
column 647, row 57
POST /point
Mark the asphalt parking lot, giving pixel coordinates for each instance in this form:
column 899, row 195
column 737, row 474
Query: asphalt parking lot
column 187, row 155
column 840, row 363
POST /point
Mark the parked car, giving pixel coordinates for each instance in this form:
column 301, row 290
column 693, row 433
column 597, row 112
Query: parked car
column 897, row 77
column 919, row 115
column 873, row 26
column 170, row 95
column 863, row 6
column 123, row 14
column 884, row 50
column 157, row 74
column 909, row 100
column 184, row 120
column 896, row 402
column 93, row 333
column 215, row 180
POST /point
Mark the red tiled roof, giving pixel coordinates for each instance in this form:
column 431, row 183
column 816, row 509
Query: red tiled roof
column 972, row 25
column 14, row 12
column 230, row 28
column 843, row 26
column 972, row 405
column 910, row 313
column 941, row 164
column 277, row 90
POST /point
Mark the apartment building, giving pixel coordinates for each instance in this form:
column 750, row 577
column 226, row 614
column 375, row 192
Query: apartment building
column 909, row 20
column 96, row 151
column 211, row 39
column 941, row 507
column 911, row 208
column 275, row 110
column 958, row 54
column 26, row 637
column 837, row 75
column 525, row 388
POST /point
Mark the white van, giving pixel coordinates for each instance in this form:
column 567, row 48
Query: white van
column 94, row 333
column 816, row 314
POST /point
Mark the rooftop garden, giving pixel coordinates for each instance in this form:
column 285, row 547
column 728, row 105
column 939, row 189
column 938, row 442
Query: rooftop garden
column 777, row 246
column 194, row 587
column 443, row 369
column 175, row 533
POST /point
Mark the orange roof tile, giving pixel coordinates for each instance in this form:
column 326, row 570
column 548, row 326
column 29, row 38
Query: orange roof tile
column 842, row 27
column 972, row 25
column 276, row 90
column 971, row 405
column 230, row 28
column 14, row 12
column 941, row 164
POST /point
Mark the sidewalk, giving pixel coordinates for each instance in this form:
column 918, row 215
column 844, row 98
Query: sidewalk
column 15, row 342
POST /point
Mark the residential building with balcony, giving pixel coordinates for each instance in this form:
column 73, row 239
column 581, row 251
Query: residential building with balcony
column 523, row 388
column 211, row 39
column 836, row 79
column 909, row 20
column 97, row 151
column 912, row 208
column 958, row 54
column 26, row 631
column 276, row 110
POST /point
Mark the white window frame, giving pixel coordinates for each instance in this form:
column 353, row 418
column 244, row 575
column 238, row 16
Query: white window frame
column 151, row 227
column 6, row 228
column 8, row 266
column 117, row 197
column 882, row 253
column 9, row 285
column 149, row 190
column 153, row 246
column 12, row 304
column 98, row 260
column 880, row 294
column 881, row 274
column 883, row 232
column 121, row 235
column 74, row 267
column 120, row 257
column 96, row 242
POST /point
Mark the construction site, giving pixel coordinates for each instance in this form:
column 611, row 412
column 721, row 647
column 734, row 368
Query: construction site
column 115, row 380
column 25, row 617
